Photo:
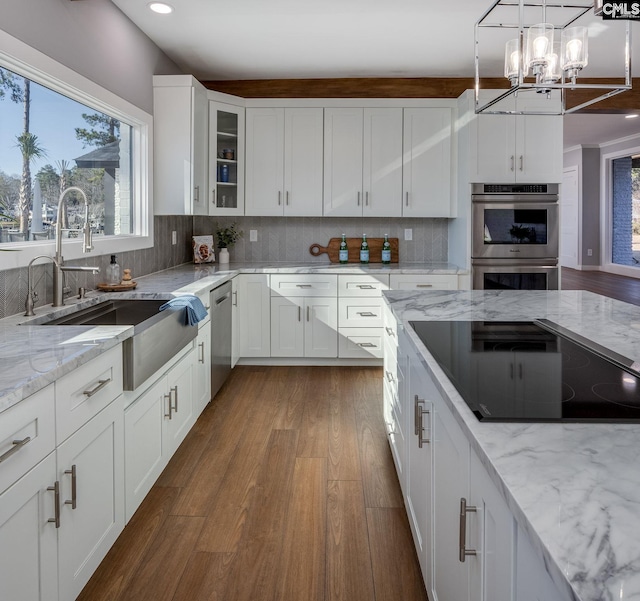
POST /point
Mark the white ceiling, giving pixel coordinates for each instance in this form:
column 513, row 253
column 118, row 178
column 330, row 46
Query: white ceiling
column 260, row 39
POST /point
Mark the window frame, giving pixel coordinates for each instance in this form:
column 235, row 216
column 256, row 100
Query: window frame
column 28, row 62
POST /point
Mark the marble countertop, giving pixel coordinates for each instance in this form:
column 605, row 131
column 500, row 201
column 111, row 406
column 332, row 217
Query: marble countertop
column 35, row 355
column 573, row 487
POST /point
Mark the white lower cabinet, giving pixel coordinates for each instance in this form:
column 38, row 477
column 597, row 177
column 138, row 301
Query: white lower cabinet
column 28, row 541
column 91, row 476
column 253, row 315
column 304, row 327
column 155, row 425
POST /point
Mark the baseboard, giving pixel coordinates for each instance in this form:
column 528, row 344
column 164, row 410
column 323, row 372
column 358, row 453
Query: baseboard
column 310, row 361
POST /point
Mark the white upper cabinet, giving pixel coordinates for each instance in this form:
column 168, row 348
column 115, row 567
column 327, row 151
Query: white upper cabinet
column 427, row 173
column 180, row 145
column 517, row 148
column 284, row 153
column 226, row 159
column 362, row 162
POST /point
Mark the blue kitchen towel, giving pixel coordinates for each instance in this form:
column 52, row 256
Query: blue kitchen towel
column 195, row 311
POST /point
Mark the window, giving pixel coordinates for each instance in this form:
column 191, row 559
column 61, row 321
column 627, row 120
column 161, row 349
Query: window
column 625, row 211
column 49, row 142
column 60, row 129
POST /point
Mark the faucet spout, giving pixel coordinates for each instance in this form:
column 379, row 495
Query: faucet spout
column 60, row 267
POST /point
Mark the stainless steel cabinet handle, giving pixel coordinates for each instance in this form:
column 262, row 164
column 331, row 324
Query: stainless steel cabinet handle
column 201, row 358
column 299, row 313
column 366, row 287
column 389, row 376
column 358, row 198
column 100, row 386
column 308, row 313
column 520, row 370
column 424, row 285
column 196, row 194
column 366, row 198
column 304, row 285
column 366, row 344
column 56, row 504
column 406, row 202
column 512, row 163
column 235, row 298
column 168, row 397
column 74, row 500
column 279, row 197
column 287, row 196
column 17, row 445
column 174, row 389
column 420, row 412
column 521, row 162
column 390, row 332
column 464, row 509
column 213, row 197
column 366, row 314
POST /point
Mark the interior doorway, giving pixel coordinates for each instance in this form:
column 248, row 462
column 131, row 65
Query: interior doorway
column 625, row 211
column 570, row 218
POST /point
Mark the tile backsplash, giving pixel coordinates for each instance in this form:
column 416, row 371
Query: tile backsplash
column 287, row 239
column 280, row 240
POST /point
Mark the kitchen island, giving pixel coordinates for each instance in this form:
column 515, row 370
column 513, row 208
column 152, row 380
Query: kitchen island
column 574, row 488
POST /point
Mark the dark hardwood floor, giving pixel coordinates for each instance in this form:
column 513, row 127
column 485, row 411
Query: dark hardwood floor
column 608, row 284
column 284, row 490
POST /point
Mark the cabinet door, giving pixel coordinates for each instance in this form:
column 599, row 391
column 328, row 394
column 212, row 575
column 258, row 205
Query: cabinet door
column 226, row 133
column 343, row 130
column 493, row 155
column 539, row 149
column 287, row 327
column 491, row 572
column 182, row 414
column 451, row 484
column 382, row 162
column 264, row 161
column 202, row 369
column 88, row 530
column 28, row 541
column 321, row 327
column 418, row 405
column 235, row 333
column 427, row 163
column 254, row 316
column 146, row 452
column 303, row 156
column 200, row 151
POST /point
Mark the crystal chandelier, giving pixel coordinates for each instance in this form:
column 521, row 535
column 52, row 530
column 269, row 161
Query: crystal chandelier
column 546, row 56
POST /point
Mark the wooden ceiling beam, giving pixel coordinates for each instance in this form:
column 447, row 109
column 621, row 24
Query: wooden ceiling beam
column 419, row 87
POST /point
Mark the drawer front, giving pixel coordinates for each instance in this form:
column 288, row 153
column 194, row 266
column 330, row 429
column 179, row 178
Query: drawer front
column 304, row 285
column 87, row 390
column 360, row 343
column 424, row 282
column 390, row 327
column 360, row 313
column 362, row 285
column 27, row 435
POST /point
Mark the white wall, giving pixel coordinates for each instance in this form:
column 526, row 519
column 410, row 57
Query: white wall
column 93, row 38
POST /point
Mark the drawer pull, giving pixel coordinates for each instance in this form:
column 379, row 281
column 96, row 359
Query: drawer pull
column 389, row 376
column 56, row 503
column 464, row 509
column 424, row 285
column 366, row 314
column 168, row 397
column 419, row 412
column 17, row 445
column 390, row 332
column 98, row 388
column 201, row 357
column 366, row 344
column 73, row 501
column 174, row 389
column 304, row 286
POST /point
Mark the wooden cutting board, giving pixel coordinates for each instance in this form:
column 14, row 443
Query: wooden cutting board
column 353, row 245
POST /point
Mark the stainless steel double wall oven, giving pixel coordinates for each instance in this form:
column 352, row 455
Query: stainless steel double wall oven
column 515, row 236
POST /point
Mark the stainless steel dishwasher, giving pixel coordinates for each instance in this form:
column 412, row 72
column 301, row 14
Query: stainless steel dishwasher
column 220, row 298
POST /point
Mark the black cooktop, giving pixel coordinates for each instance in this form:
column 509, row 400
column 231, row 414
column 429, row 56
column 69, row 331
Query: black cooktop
column 532, row 371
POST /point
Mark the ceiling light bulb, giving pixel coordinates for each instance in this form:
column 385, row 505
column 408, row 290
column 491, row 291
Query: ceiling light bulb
column 539, row 47
column 160, row 7
column 573, row 50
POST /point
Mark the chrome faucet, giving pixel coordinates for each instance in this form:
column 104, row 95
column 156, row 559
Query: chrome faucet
column 58, row 262
column 32, row 295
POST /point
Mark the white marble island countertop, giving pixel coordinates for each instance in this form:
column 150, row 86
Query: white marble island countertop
column 574, row 487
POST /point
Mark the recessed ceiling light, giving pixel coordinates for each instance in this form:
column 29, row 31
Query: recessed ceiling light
column 160, row 7
column 630, row 116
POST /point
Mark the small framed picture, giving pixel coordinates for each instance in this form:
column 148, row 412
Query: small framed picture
column 203, row 249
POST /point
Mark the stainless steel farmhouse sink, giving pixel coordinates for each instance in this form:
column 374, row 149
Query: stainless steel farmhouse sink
column 157, row 335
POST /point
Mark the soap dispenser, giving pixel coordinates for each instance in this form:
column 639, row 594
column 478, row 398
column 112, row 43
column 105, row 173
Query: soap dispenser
column 113, row 272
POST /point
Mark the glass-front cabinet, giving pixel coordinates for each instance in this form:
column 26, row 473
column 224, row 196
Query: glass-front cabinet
column 226, row 159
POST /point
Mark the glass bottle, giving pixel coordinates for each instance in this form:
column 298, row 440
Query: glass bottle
column 113, row 272
column 364, row 250
column 344, row 251
column 386, row 250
